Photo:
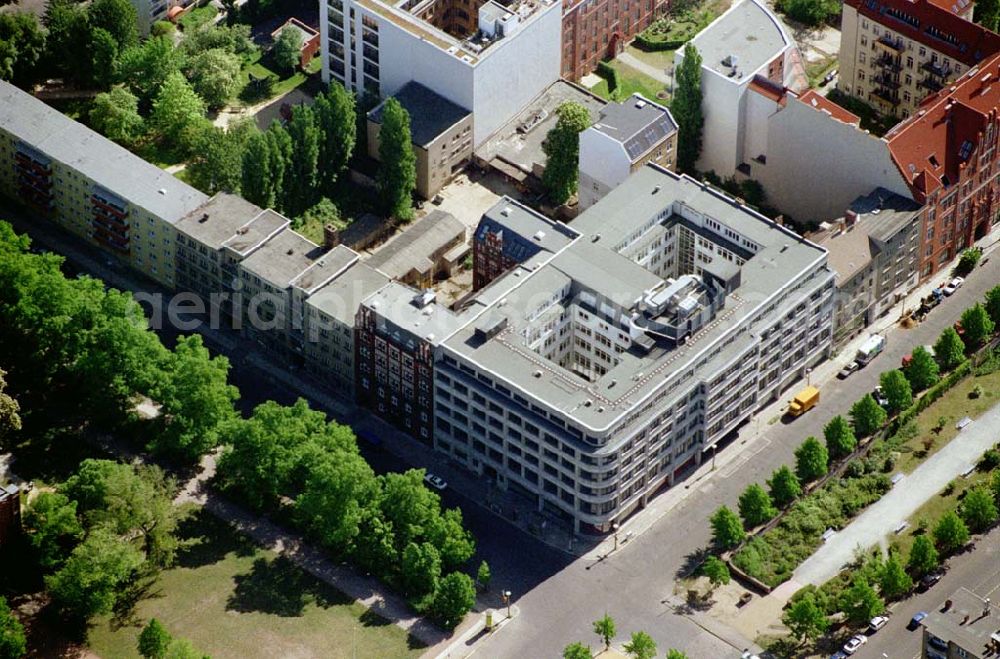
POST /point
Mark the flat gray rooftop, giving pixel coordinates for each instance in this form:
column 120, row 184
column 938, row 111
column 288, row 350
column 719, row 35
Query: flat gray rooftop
column 638, row 123
column 518, row 143
column 283, row 258
column 97, row 158
column 341, row 298
column 430, row 113
column 412, row 248
column 331, row 264
column 218, row 219
column 749, row 33
column 970, row 622
column 527, row 234
column 593, row 262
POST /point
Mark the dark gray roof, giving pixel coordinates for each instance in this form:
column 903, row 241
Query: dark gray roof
column 110, row 166
column 884, row 213
column 638, row 123
column 969, row 623
column 430, row 113
column 412, row 248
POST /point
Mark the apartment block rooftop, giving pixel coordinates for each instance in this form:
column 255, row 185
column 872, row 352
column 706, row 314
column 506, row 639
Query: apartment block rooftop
column 112, row 167
column 528, row 236
column 596, row 271
column 227, row 216
column 342, row 296
column 430, row 113
column 971, row 623
column 742, row 40
column 281, row 260
column 638, row 123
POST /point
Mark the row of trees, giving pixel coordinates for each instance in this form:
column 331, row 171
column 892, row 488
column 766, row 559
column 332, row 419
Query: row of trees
column 639, row 646
column 82, row 353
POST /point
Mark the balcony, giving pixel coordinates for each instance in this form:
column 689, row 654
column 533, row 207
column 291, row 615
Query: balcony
column 886, row 96
column 894, row 47
column 889, row 62
column 107, row 209
column 889, row 82
column 109, row 239
column 111, row 226
column 935, row 69
column 25, row 161
column 932, row 83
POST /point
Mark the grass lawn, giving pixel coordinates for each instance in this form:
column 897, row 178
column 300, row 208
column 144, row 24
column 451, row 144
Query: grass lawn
column 661, row 59
column 234, row 599
column 198, row 17
column 259, row 67
column 630, row 81
column 953, row 405
column 815, row 71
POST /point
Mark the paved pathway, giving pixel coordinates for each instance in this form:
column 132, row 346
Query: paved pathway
column 882, row 517
column 653, row 72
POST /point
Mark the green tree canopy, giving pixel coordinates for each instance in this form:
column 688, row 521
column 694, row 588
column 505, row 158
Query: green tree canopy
column 257, row 181
column 301, row 185
column 605, row 629
column 154, row 640
column 923, row 557
column 10, row 417
column 675, row 654
column 215, row 76
column 144, row 68
column 949, row 349
column 811, row 460
column 977, row 325
column 897, row 390
column 53, row 528
column 286, row 50
column 337, row 121
column 339, row 486
column 860, row 603
column 178, row 111
column 894, row 583
column 13, row 642
column 24, row 40
column 217, row 163
column 236, row 39
column 118, row 17
column 993, row 304
column 562, row 151
column 840, row 439
column 576, row 650
column 978, row 509
column 421, row 569
column 66, row 44
column 103, row 57
column 810, row 12
column 805, row 619
column 987, row 14
column 640, row 646
column 716, row 570
column 784, row 486
column 950, row 533
column 755, row 506
column 922, row 371
column 686, row 108
column 397, row 174
column 483, row 575
column 727, row 530
column 867, row 416
column 115, row 114
column 455, row 596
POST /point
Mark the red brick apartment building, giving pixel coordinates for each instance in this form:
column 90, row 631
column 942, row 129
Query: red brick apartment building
column 947, row 153
column 595, row 29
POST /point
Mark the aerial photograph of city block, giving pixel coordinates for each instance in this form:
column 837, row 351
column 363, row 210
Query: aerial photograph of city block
column 504, row 329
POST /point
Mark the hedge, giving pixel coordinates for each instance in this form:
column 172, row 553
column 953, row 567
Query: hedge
column 610, row 74
column 653, row 45
column 932, row 394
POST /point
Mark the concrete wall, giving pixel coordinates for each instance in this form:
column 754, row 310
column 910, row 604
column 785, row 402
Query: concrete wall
column 816, row 165
column 603, row 165
column 847, row 61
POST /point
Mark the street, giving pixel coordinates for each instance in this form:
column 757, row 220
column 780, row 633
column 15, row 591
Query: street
column 558, row 597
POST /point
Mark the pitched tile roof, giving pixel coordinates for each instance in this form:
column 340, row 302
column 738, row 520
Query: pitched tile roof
column 931, row 147
column 823, row 104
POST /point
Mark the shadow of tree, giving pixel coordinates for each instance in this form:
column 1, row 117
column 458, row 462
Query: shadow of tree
column 691, row 563
column 205, row 539
column 280, row 588
column 123, row 614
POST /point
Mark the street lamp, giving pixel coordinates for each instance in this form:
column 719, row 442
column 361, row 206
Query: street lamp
column 506, row 601
column 614, row 527
column 808, row 376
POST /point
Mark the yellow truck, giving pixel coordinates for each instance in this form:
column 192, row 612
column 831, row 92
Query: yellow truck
column 803, row 401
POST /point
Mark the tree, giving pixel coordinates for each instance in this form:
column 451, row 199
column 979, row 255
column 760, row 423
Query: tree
column 196, row 400
column 894, row 583
column 727, row 530
column 144, row 68
column 949, row 349
column 337, row 122
column 13, row 643
column 154, row 640
column 716, row 570
column 562, row 150
column 810, row 12
column 995, row 486
column 897, row 390
column 420, row 569
column 162, row 29
column 605, row 629
column 115, row 114
column 397, row 174
column 286, row 50
column 840, row 440
column 10, row 418
column 784, row 486
column 95, row 574
column 66, row 42
column 215, row 76
column 576, row 650
column 25, row 44
column 640, row 646
column 755, row 506
column 339, row 486
column 217, row 165
column 483, row 575
column 805, row 619
column 686, row 108
column 257, row 181
column 867, row 416
column 117, row 17
column 53, row 528
column 301, row 186
column 977, row 325
column 454, row 598
column 181, row 648
column 950, row 533
column 860, row 603
column 978, row 509
column 675, row 654
column 993, row 304
column 177, row 111
column 923, row 558
column 811, row 460
column 922, row 371
column 987, row 14
column 104, row 57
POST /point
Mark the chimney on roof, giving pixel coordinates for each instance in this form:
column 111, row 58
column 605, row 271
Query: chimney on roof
column 331, row 236
column 780, row 220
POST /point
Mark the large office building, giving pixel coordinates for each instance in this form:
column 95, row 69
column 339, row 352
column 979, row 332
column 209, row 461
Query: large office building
column 604, row 363
column 89, row 185
column 893, row 53
column 593, row 30
column 489, row 58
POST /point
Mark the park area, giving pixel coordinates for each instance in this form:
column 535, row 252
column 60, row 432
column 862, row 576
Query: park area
column 234, row 599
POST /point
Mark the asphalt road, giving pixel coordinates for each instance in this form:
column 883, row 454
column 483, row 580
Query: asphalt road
column 978, row 570
column 558, row 598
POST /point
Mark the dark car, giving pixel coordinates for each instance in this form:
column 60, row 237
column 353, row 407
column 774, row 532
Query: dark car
column 916, row 620
column 847, row 370
column 929, row 580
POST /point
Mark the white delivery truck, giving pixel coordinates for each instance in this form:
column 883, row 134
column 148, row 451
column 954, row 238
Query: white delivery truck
column 870, row 349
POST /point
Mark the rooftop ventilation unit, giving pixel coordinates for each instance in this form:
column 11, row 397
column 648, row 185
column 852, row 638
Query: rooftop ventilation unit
column 639, row 103
column 539, row 235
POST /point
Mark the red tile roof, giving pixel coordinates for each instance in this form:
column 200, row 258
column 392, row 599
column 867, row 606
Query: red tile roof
column 823, row 104
column 768, row 89
column 953, row 36
column 931, row 147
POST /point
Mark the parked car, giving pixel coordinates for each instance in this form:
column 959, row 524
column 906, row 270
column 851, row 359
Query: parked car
column 915, row 621
column 847, row 370
column 436, row 482
column 839, row 654
column 877, row 623
column 929, row 580
column 953, row 285
column 879, row 396
column 828, row 78
column 855, row 643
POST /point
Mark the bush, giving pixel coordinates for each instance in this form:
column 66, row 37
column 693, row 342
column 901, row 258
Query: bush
column 970, row 257
column 977, row 392
column 162, row 28
column 990, row 460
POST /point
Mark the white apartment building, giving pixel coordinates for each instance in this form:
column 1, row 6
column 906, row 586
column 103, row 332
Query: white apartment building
column 488, row 58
